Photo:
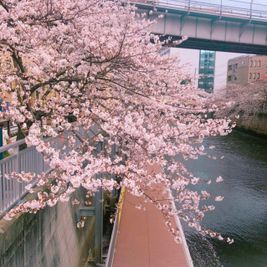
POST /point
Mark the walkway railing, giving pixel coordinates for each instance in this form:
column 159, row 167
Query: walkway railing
column 114, row 235
column 111, row 251
column 227, row 8
column 27, row 160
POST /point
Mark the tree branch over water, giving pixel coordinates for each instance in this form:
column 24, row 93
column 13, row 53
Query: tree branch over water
column 83, row 63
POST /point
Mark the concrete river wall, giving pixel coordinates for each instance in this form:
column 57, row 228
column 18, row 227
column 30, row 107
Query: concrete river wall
column 49, row 238
column 256, row 124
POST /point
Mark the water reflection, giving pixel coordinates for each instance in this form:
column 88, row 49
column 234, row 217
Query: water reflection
column 243, row 213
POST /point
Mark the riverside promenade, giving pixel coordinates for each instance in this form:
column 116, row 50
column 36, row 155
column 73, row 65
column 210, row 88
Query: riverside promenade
column 142, row 238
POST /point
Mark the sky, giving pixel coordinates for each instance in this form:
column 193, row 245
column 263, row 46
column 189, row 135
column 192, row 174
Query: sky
column 256, row 4
column 260, row 5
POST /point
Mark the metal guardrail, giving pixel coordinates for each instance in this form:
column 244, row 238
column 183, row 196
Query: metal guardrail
column 114, row 235
column 111, row 251
column 227, row 8
column 27, row 160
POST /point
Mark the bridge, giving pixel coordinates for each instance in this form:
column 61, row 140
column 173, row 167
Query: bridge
column 224, row 25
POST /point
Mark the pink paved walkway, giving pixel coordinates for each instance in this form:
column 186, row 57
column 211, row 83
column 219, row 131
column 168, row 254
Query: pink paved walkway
column 143, row 239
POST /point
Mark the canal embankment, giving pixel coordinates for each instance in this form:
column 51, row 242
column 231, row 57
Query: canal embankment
column 256, row 124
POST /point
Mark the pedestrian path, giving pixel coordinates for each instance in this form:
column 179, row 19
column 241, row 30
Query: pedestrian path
column 143, row 239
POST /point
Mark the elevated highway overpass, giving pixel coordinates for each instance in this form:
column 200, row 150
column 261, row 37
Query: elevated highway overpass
column 224, row 25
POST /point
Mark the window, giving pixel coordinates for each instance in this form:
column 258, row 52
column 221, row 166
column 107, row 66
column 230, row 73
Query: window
column 259, row 63
column 250, row 76
column 229, row 78
column 254, row 76
column 230, row 67
column 251, row 63
column 258, row 76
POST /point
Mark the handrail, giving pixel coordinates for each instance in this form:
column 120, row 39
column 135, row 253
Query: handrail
column 13, row 145
column 114, row 235
column 27, row 160
column 111, row 250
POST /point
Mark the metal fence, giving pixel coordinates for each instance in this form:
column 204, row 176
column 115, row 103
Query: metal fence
column 251, row 10
column 27, row 160
column 114, row 235
column 112, row 244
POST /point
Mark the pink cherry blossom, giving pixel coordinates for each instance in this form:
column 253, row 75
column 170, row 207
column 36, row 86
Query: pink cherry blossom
column 87, row 74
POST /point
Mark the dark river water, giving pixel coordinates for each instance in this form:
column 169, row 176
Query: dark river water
column 243, row 213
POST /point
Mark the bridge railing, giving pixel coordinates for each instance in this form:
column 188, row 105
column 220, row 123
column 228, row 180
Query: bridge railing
column 26, row 160
column 228, row 8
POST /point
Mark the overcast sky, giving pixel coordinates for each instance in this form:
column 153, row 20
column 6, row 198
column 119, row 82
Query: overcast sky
column 257, row 4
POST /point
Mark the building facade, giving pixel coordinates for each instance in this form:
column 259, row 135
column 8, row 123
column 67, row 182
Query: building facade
column 247, row 69
column 206, row 70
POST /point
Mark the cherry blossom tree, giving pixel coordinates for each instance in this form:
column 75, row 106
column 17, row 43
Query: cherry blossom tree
column 87, row 63
column 241, row 100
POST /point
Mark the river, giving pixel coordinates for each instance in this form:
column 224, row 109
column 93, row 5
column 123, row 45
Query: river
column 243, row 213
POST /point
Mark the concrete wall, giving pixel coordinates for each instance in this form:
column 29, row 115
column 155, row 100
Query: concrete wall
column 49, row 238
column 256, row 124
